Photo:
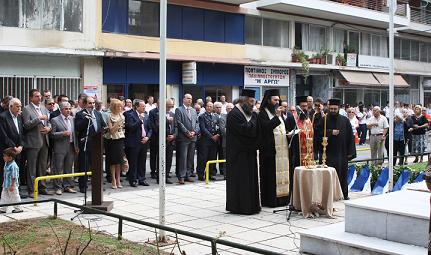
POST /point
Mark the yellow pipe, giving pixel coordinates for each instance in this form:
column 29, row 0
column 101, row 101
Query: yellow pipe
column 48, row 177
column 207, row 168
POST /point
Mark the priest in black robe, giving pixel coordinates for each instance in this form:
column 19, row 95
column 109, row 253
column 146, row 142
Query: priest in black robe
column 341, row 142
column 242, row 190
column 316, row 119
column 273, row 152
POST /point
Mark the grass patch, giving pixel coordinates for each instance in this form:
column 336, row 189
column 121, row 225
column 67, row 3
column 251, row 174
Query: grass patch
column 39, row 236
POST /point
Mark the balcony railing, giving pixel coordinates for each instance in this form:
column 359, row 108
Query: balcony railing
column 419, row 15
column 376, row 5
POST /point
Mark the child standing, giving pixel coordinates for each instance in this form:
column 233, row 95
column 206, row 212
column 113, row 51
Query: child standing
column 10, row 193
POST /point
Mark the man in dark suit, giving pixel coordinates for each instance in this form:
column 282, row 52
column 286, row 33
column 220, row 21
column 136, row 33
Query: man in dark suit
column 188, row 130
column 91, row 119
column 210, row 136
column 171, row 133
column 36, row 142
column 11, row 135
column 138, row 134
column 64, row 148
column 221, row 145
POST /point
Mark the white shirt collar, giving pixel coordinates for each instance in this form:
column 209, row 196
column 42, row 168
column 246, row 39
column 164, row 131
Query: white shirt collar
column 35, row 106
column 13, row 116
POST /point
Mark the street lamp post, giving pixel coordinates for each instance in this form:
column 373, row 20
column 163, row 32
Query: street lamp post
column 392, row 9
column 162, row 119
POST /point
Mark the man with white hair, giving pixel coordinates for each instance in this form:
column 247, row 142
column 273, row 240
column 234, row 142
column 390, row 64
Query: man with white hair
column 11, row 133
column 378, row 126
column 65, row 148
column 229, row 107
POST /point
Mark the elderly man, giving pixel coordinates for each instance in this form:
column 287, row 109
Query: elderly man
column 378, row 126
column 310, row 102
column 11, row 134
column 60, row 99
column 188, row 130
column 229, row 107
column 37, row 128
column 64, row 149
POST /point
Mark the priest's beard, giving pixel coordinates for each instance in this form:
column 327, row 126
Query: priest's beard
column 333, row 115
column 272, row 108
column 247, row 108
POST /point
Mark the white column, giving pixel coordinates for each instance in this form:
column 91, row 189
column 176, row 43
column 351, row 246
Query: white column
column 392, row 10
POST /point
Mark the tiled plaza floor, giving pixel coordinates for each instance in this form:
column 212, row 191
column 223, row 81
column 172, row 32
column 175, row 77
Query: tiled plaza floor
column 193, row 207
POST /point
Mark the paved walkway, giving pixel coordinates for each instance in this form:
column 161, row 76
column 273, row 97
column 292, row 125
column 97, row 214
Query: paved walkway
column 193, row 207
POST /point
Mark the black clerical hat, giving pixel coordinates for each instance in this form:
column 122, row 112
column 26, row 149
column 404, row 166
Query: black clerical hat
column 301, row 99
column 271, row 92
column 248, row 93
column 334, row 101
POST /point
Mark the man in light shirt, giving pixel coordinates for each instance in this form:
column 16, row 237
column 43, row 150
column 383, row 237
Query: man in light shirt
column 150, row 104
column 378, row 126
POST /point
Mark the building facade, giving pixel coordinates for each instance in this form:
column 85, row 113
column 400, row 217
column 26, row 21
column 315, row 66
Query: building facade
column 314, row 47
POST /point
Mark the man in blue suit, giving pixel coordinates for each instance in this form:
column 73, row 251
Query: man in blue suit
column 138, row 134
column 91, row 119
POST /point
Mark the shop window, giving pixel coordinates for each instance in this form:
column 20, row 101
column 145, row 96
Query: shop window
column 63, row 15
column 143, row 18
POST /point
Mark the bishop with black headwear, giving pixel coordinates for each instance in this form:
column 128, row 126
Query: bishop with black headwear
column 273, row 152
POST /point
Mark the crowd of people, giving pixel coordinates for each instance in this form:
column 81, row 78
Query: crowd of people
column 53, row 135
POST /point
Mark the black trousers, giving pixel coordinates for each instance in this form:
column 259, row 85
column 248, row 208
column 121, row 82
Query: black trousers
column 207, row 150
column 318, row 151
column 107, row 169
column 399, row 147
column 154, row 157
column 84, row 159
column 137, row 157
column 362, row 133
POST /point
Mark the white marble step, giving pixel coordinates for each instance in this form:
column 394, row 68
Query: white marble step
column 332, row 239
column 401, row 216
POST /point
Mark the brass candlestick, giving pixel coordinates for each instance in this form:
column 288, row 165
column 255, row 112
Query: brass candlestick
column 324, row 143
column 309, row 159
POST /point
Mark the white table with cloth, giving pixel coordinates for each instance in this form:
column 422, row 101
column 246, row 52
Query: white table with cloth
column 315, row 190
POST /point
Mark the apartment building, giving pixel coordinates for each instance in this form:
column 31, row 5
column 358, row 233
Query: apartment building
column 316, row 47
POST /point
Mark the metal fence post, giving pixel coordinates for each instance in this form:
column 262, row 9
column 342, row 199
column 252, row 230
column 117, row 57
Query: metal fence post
column 120, row 229
column 213, row 247
column 55, row 210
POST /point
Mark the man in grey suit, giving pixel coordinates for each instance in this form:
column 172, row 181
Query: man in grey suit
column 188, row 129
column 64, row 149
column 37, row 127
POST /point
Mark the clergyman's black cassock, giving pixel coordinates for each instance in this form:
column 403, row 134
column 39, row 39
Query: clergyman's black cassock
column 242, row 191
column 341, row 148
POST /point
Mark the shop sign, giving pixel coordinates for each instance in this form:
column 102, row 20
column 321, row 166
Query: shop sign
column 427, row 82
column 373, row 62
column 266, row 76
column 189, row 73
column 351, row 59
column 90, row 91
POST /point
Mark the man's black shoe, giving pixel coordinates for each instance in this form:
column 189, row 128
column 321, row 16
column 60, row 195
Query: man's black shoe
column 168, row 181
column 346, row 198
column 153, row 176
column 144, row 183
column 193, row 175
column 134, row 184
column 201, row 178
column 212, row 178
column 46, row 192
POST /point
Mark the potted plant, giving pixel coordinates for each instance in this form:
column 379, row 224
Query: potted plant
column 339, row 60
column 303, row 59
column 325, row 54
column 295, row 54
column 318, row 58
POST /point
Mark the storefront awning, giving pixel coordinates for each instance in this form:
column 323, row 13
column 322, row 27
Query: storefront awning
column 360, row 78
column 398, row 80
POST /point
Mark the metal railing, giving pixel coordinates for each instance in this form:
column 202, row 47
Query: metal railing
column 49, row 177
column 368, row 160
column 420, row 15
column 207, row 168
column 121, row 219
